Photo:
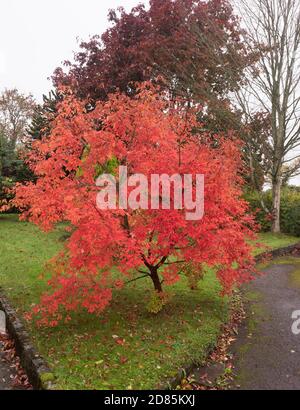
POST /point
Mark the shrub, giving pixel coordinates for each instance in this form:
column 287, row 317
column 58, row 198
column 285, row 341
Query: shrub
column 289, row 211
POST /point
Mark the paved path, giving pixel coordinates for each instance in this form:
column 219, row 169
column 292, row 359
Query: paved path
column 267, row 353
column 12, row 376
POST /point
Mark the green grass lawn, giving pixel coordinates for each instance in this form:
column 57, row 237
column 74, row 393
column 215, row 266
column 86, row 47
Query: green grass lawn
column 84, row 354
column 277, row 240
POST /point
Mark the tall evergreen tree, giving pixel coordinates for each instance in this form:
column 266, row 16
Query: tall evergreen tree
column 43, row 115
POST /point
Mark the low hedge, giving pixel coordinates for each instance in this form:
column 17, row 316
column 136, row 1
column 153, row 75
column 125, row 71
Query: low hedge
column 289, row 210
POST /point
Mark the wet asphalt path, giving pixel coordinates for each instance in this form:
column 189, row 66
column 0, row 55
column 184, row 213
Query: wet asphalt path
column 267, row 352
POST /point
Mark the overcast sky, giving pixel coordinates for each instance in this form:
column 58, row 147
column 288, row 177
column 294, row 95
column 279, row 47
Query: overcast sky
column 37, row 35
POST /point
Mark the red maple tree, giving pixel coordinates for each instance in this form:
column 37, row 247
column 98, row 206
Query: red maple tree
column 149, row 137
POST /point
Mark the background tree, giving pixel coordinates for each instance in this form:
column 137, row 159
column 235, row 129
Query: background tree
column 194, row 49
column 274, row 31
column 16, row 111
column 256, row 133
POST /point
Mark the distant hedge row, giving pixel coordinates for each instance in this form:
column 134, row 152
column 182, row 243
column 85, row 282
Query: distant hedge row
column 289, row 211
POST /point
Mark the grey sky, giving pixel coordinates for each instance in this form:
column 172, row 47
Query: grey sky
column 37, row 35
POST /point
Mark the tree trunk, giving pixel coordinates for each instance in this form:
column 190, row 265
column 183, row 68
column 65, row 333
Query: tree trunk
column 155, row 279
column 276, row 204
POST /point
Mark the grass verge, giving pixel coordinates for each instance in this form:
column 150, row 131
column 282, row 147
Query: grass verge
column 127, row 347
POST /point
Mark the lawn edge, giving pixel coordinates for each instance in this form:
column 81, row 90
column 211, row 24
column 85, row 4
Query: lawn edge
column 277, row 252
column 184, row 373
column 37, row 369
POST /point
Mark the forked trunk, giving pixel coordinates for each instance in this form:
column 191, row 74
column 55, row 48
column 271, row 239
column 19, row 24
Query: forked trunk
column 155, row 279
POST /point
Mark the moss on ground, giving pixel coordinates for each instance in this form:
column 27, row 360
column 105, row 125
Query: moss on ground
column 256, row 315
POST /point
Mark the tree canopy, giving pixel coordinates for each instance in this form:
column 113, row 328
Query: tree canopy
column 149, row 137
column 193, row 48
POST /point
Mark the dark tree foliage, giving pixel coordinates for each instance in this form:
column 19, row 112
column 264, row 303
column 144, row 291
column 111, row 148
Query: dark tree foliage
column 193, row 47
column 43, row 115
column 12, row 169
